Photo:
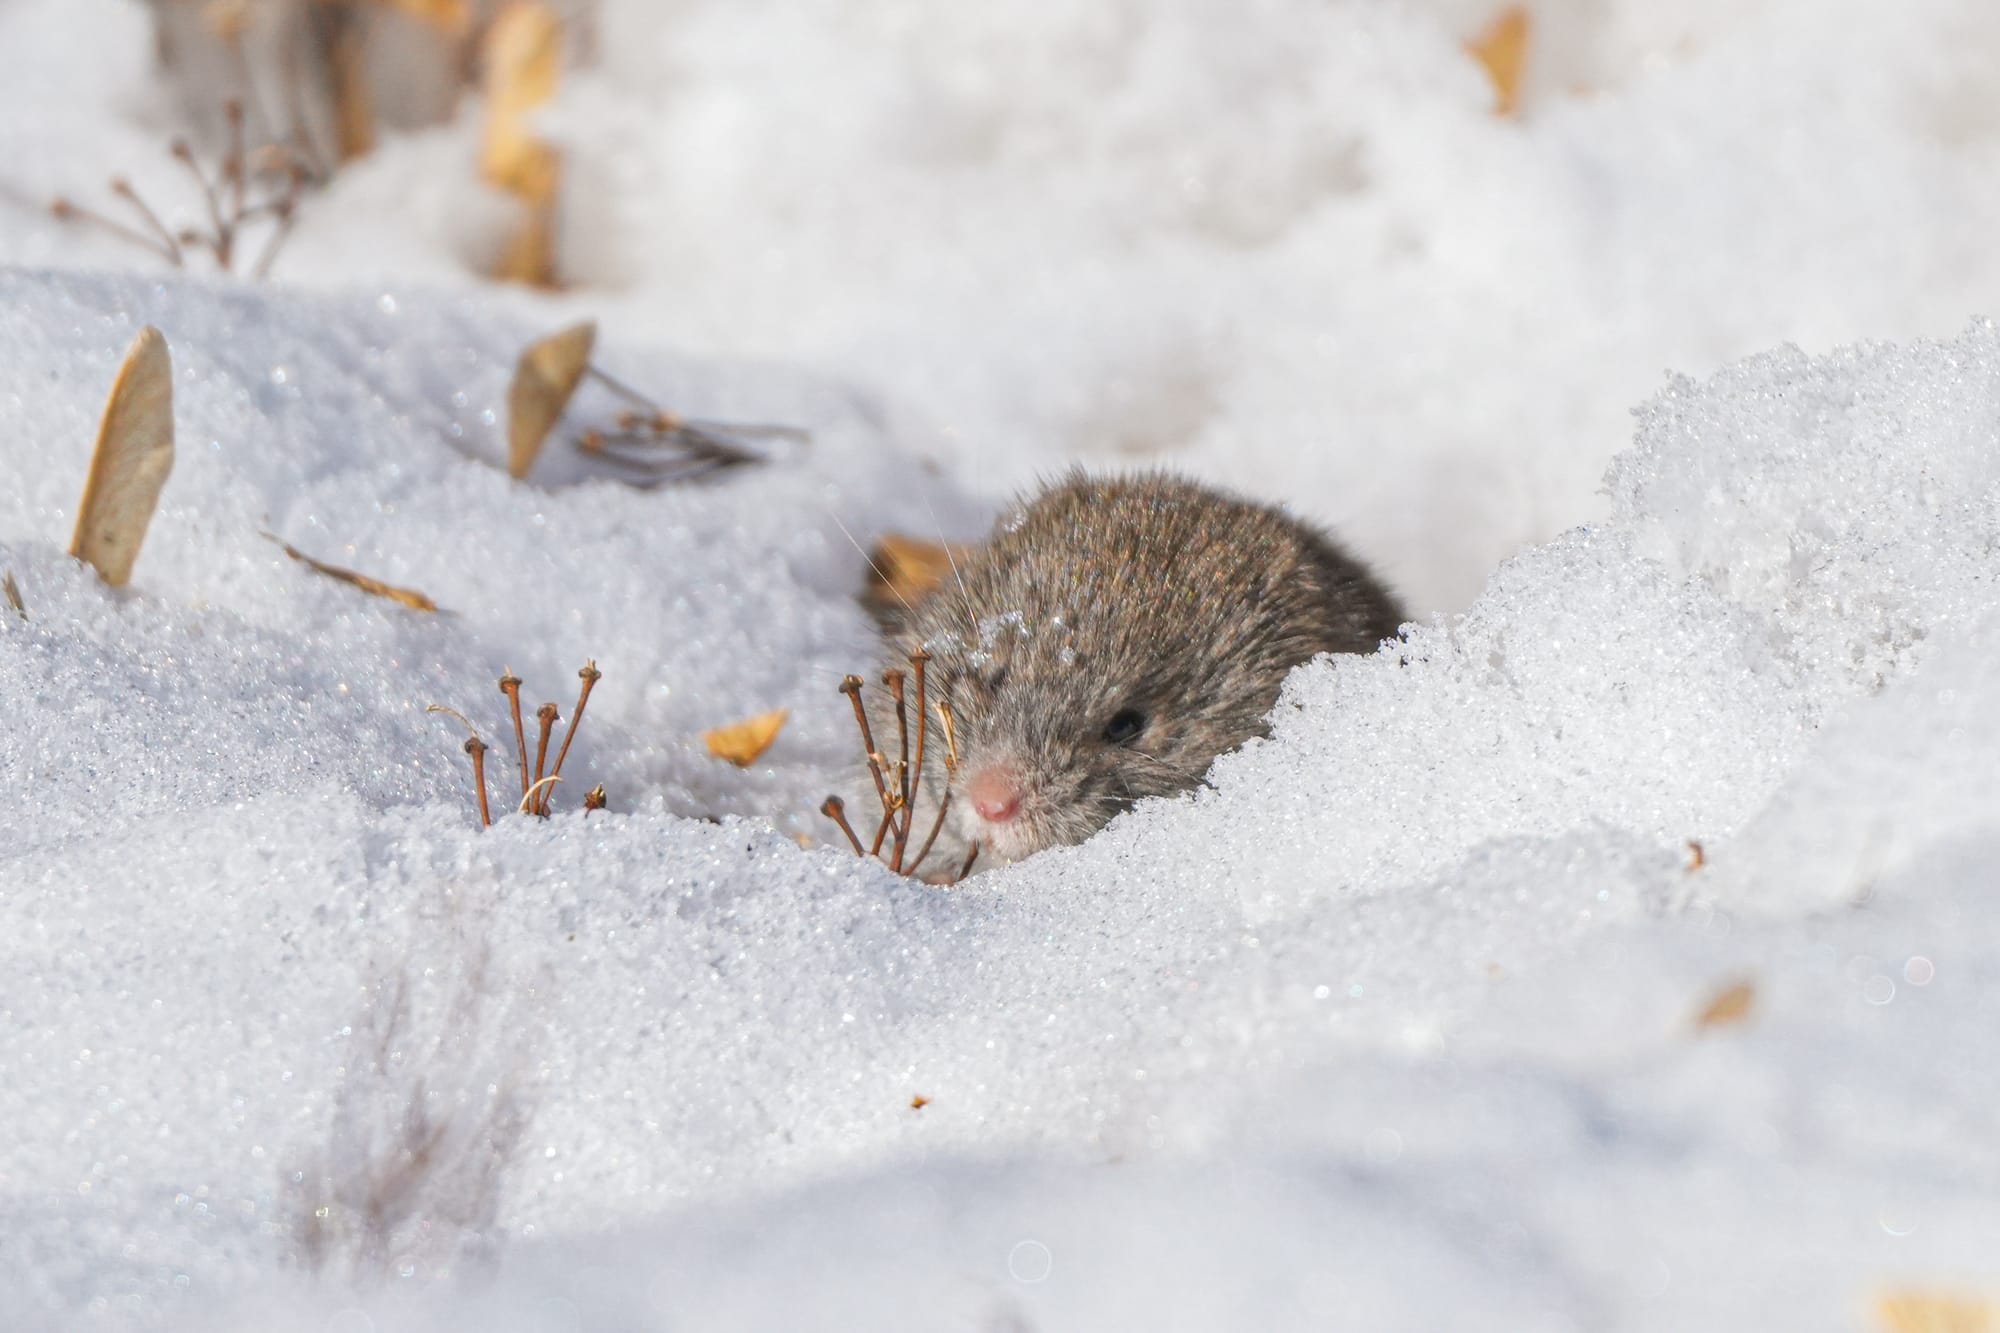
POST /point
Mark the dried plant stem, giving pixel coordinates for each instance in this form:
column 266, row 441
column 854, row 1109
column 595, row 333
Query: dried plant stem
column 287, row 212
column 590, row 675
column 477, row 749
column 67, row 211
column 936, row 825
column 882, row 830
column 970, row 857
column 222, row 236
column 226, row 198
column 538, row 790
column 836, row 809
column 531, row 798
column 851, row 687
column 694, row 449
column 123, row 189
column 624, row 390
column 510, row 685
column 899, row 783
column 899, row 811
column 918, row 660
column 546, row 715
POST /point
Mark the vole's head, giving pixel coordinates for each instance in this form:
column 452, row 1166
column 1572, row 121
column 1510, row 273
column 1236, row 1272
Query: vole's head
column 1112, row 638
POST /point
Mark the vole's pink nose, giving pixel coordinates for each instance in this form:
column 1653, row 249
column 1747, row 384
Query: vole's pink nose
column 995, row 793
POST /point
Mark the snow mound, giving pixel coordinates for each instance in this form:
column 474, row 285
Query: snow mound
column 1380, row 1024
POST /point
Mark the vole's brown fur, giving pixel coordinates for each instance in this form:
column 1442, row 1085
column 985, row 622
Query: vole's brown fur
column 1100, row 598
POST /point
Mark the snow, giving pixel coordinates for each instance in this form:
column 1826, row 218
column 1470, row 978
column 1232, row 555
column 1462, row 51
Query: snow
column 1395, row 1026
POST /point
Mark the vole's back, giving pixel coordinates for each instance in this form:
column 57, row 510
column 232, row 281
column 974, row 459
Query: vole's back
column 1114, row 636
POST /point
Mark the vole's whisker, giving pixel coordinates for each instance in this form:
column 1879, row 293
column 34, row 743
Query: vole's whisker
column 871, row 561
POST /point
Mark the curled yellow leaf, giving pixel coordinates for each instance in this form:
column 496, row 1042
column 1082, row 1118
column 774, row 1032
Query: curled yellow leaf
column 741, row 742
column 545, row 379
column 129, row 466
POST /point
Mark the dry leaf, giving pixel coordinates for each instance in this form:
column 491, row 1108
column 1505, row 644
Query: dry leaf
column 1502, row 48
column 1932, row 1312
column 544, row 379
column 903, row 569
column 523, row 51
column 741, row 742
column 1697, row 856
column 135, row 451
column 1728, row 1006
column 919, row 1102
column 409, row 597
column 12, row 591
column 451, row 16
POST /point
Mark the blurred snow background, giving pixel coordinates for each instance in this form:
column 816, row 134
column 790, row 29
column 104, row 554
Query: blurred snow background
column 1395, row 1028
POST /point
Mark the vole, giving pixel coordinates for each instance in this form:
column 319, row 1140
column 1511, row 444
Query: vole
column 1110, row 639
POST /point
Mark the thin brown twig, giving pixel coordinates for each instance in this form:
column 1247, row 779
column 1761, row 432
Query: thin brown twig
column 226, row 196
column 893, row 678
column 899, row 783
column 546, row 715
column 477, row 749
column 123, row 189
column 918, row 661
column 623, row 390
column 66, row 210
column 590, row 675
column 944, row 804
column 836, row 809
column 286, row 211
column 221, row 240
column 510, row 685
column 234, row 172
column 851, row 687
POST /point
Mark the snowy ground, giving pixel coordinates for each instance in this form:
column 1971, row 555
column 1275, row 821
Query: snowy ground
column 1394, row 1028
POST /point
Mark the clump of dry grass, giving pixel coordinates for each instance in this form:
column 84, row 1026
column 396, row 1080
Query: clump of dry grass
column 427, row 1117
column 898, row 779
column 245, row 192
column 536, row 791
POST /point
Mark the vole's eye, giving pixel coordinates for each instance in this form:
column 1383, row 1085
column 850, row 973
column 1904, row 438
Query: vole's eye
column 1125, row 725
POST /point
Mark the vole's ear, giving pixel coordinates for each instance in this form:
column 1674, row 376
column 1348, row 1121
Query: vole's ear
column 902, row 571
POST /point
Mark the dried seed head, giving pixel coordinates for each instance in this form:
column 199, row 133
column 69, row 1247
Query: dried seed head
column 595, row 799
column 590, row 672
